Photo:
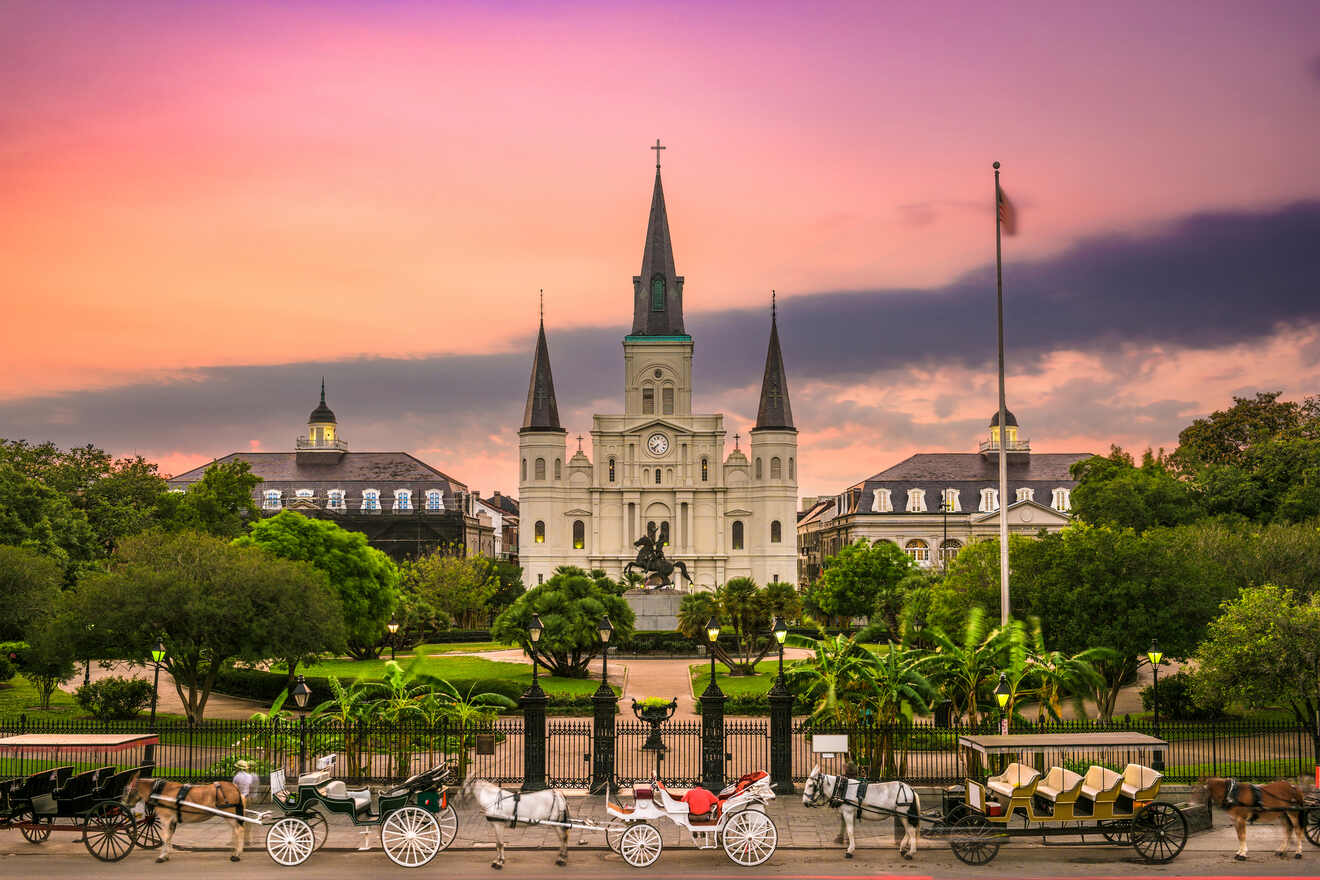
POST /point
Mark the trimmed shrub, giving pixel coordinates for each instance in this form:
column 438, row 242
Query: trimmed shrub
column 1176, row 700
column 115, row 698
column 7, row 669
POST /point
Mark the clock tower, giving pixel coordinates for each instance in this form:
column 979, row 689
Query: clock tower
column 658, row 467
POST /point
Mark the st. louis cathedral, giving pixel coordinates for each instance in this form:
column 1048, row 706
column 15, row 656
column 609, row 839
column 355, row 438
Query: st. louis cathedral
column 661, row 478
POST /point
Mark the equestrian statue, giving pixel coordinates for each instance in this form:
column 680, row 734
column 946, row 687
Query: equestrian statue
column 651, row 557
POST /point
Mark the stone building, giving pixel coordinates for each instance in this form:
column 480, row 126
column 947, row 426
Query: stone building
column 404, row 506
column 932, row 504
column 659, row 467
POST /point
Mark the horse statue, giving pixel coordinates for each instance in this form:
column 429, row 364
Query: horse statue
column 651, row 557
column 500, row 805
column 1277, row 801
column 218, row 795
column 854, row 797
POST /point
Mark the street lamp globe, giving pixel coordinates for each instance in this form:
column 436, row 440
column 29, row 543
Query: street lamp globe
column 301, row 692
column 780, row 630
column 606, row 629
column 392, row 626
column 712, row 629
column 535, row 628
column 1002, row 691
column 158, row 652
column 1154, row 655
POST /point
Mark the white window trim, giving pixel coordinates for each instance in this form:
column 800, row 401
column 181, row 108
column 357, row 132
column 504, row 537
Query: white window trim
column 951, row 498
column 1026, row 493
column 305, row 494
column 272, row 499
column 403, row 499
column 435, row 499
column 915, row 553
column 335, row 500
column 1062, row 499
column 916, row 501
column 989, row 500
column 883, row 501
column 374, row 494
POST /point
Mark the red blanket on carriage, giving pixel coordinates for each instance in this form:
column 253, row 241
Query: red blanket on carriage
column 700, row 802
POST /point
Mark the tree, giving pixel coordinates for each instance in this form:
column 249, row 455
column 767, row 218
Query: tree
column 747, row 611
column 219, row 504
column 210, row 602
column 1225, row 436
column 835, row 678
column 126, row 500
column 509, row 576
column 570, row 604
column 36, row 516
column 1112, row 491
column 365, row 578
column 30, row 584
column 49, row 657
column 1263, row 650
column 861, row 577
column 962, row 666
column 972, row 581
column 461, row 588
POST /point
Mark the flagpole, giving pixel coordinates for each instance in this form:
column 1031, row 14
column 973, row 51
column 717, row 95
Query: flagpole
column 1003, row 419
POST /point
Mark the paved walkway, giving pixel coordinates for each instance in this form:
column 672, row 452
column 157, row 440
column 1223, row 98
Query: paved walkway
column 218, row 706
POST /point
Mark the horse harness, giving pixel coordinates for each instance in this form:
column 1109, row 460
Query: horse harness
column 839, row 797
column 180, row 796
column 1233, row 798
column 513, row 818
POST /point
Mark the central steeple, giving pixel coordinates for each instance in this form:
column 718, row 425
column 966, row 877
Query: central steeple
column 658, row 290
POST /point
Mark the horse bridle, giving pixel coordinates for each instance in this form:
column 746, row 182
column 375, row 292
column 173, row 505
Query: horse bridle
column 818, row 795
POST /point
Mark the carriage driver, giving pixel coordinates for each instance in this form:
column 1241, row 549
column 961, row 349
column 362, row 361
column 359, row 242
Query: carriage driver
column 244, row 779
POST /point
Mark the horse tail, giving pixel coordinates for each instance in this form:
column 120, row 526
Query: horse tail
column 914, row 810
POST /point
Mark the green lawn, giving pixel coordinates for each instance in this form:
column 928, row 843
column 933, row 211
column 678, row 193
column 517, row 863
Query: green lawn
column 736, row 685
column 457, row 667
column 462, row 647
column 17, row 697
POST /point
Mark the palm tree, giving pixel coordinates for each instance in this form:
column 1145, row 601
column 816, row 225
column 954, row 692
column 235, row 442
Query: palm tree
column 400, row 698
column 898, row 691
column 1058, row 675
column 834, row 677
column 962, row 668
column 468, row 711
column 348, row 706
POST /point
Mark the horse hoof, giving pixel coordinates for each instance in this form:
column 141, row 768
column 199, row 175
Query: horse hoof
column 1239, row 858
column 496, row 865
column 160, row 859
column 907, row 856
column 559, row 863
column 1297, row 855
column 847, row 855
column 233, row 858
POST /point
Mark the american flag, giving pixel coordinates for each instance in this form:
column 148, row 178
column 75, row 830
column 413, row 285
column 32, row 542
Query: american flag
column 1007, row 214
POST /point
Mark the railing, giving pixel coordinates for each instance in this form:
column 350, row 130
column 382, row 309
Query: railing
column 1009, row 446
column 379, row 751
column 302, row 444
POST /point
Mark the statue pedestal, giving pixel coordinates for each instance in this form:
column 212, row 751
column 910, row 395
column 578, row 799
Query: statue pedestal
column 655, row 610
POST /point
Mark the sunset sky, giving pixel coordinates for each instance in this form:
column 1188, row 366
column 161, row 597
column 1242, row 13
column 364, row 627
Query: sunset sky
column 205, row 207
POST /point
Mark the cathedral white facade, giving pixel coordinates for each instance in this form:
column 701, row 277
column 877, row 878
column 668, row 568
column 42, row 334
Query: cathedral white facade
column 659, row 467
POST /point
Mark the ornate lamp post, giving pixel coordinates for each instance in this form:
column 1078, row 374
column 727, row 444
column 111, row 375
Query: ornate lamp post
column 157, row 658
column 781, row 720
column 87, row 667
column 300, row 693
column 1002, row 693
column 533, row 704
column 1155, row 655
column 393, row 627
column 604, row 705
column 712, row 720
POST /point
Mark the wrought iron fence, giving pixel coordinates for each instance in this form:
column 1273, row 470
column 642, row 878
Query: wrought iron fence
column 377, row 752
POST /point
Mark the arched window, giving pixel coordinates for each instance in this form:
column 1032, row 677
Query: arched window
column 648, row 400
column 540, row 469
column 705, row 470
column 737, row 534
column 435, row 499
column 540, row 532
column 305, row 494
column 657, row 476
column 524, row 469
column 559, row 469
column 667, row 400
column 882, row 501
column 792, row 470
column 950, row 502
column 948, row 550
column 658, row 293
column 272, row 499
column 760, row 471
column 919, row 550
column 611, row 470
column 776, row 532
column 776, row 468
column 579, row 535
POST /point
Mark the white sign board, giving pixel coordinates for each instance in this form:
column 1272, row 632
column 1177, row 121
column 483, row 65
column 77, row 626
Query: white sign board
column 829, row 744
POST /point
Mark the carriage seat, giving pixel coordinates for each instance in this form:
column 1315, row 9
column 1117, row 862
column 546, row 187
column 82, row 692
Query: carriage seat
column 279, row 789
column 1100, row 785
column 668, row 802
column 1140, row 782
column 335, row 788
column 1017, row 781
column 1060, row 785
column 742, row 782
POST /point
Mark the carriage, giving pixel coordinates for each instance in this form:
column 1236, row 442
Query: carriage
column 415, row 818
column 733, row 819
column 83, row 796
column 1100, row 805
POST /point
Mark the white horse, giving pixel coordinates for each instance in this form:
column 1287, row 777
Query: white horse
column 881, row 798
column 501, row 805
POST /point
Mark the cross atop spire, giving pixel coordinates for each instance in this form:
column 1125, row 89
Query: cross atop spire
column 657, row 149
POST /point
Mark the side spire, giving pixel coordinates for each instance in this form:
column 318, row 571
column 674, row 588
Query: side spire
column 775, row 412
column 542, row 411
column 658, row 289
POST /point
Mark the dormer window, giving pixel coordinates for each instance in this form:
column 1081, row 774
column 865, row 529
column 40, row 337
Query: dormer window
column 883, row 502
column 658, row 293
column 1061, row 499
column 371, row 499
column 402, row 499
column 435, row 499
column 916, row 502
column 950, row 502
column 335, row 499
column 304, row 494
column 271, row 499
column 989, row 500
column 1026, row 493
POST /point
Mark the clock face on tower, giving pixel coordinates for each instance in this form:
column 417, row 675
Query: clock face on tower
column 657, row 443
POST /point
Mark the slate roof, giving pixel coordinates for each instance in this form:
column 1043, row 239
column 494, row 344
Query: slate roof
column 542, row 410
column 775, row 411
column 502, row 503
column 658, row 259
column 967, row 472
column 353, row 472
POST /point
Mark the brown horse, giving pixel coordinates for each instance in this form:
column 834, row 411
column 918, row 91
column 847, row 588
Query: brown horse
column 218, row 795
column 1274, row 801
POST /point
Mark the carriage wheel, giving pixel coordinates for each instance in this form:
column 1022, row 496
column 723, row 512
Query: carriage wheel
column 1119, row 833
column 640, row 844
column 35, row 834
column 973, row 841
column 1311, row 825
column 411, row 836
column 320, row 828
column 1159, row 832
column 109, row 831
column 147, row 833
column 614, row 833
column 749, row 838
column 447, row 819
column 290, row 841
